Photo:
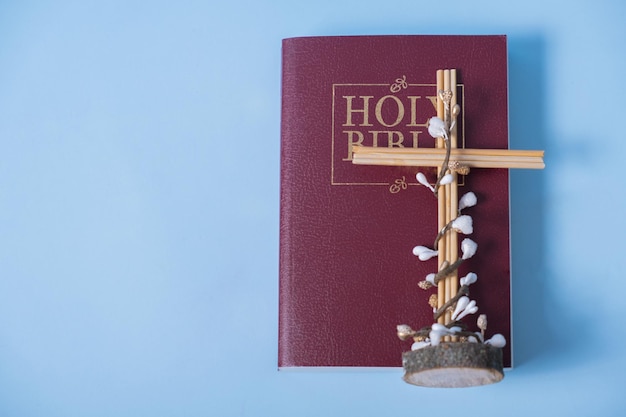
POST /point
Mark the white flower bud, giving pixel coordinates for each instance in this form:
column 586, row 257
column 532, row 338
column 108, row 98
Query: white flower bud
column 460, row 306
column 446, row 179
column 468, row 247
column 497, row 340
column 424, row 253
column 419, row 345
column 468, row 200
column 470, row 308
column 435, row 337
column 438, row 327
column 437, row 128
column 421, row 178
column 469, row 279
column 431, row 278
column 463, row 224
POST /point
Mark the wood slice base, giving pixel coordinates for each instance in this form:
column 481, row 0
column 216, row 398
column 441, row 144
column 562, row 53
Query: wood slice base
column 453, row 365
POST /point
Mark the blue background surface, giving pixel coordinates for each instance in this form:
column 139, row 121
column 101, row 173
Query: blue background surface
column 139, row 179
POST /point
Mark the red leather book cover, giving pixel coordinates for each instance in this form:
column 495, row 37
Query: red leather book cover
column 347, row 272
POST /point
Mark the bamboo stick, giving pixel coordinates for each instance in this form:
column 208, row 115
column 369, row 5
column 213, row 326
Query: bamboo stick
column 449, row 255
column 454, row 197
column 440, row 153
column 441, row 201
column 447, row 193
column 433, row 157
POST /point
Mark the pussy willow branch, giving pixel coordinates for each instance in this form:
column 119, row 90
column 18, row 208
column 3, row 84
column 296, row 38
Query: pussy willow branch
column 464, row 290
column 444, row 166
column 447, row 270
column 443, row 231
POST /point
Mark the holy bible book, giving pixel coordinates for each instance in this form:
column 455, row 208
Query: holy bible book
column 348, row 276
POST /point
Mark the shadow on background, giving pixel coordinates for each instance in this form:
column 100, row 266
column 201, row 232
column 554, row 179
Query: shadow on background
column 532, row 335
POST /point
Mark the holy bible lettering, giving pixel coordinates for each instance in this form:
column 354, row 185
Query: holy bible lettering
column 389, row 111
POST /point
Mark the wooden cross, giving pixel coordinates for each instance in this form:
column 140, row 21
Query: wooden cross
column 436, row 157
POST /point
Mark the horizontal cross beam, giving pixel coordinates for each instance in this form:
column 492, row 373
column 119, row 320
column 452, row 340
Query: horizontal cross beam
column 433, row 157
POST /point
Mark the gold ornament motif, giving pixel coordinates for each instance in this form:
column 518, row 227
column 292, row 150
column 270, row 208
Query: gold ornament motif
column 398, row 185
column 400, row 84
